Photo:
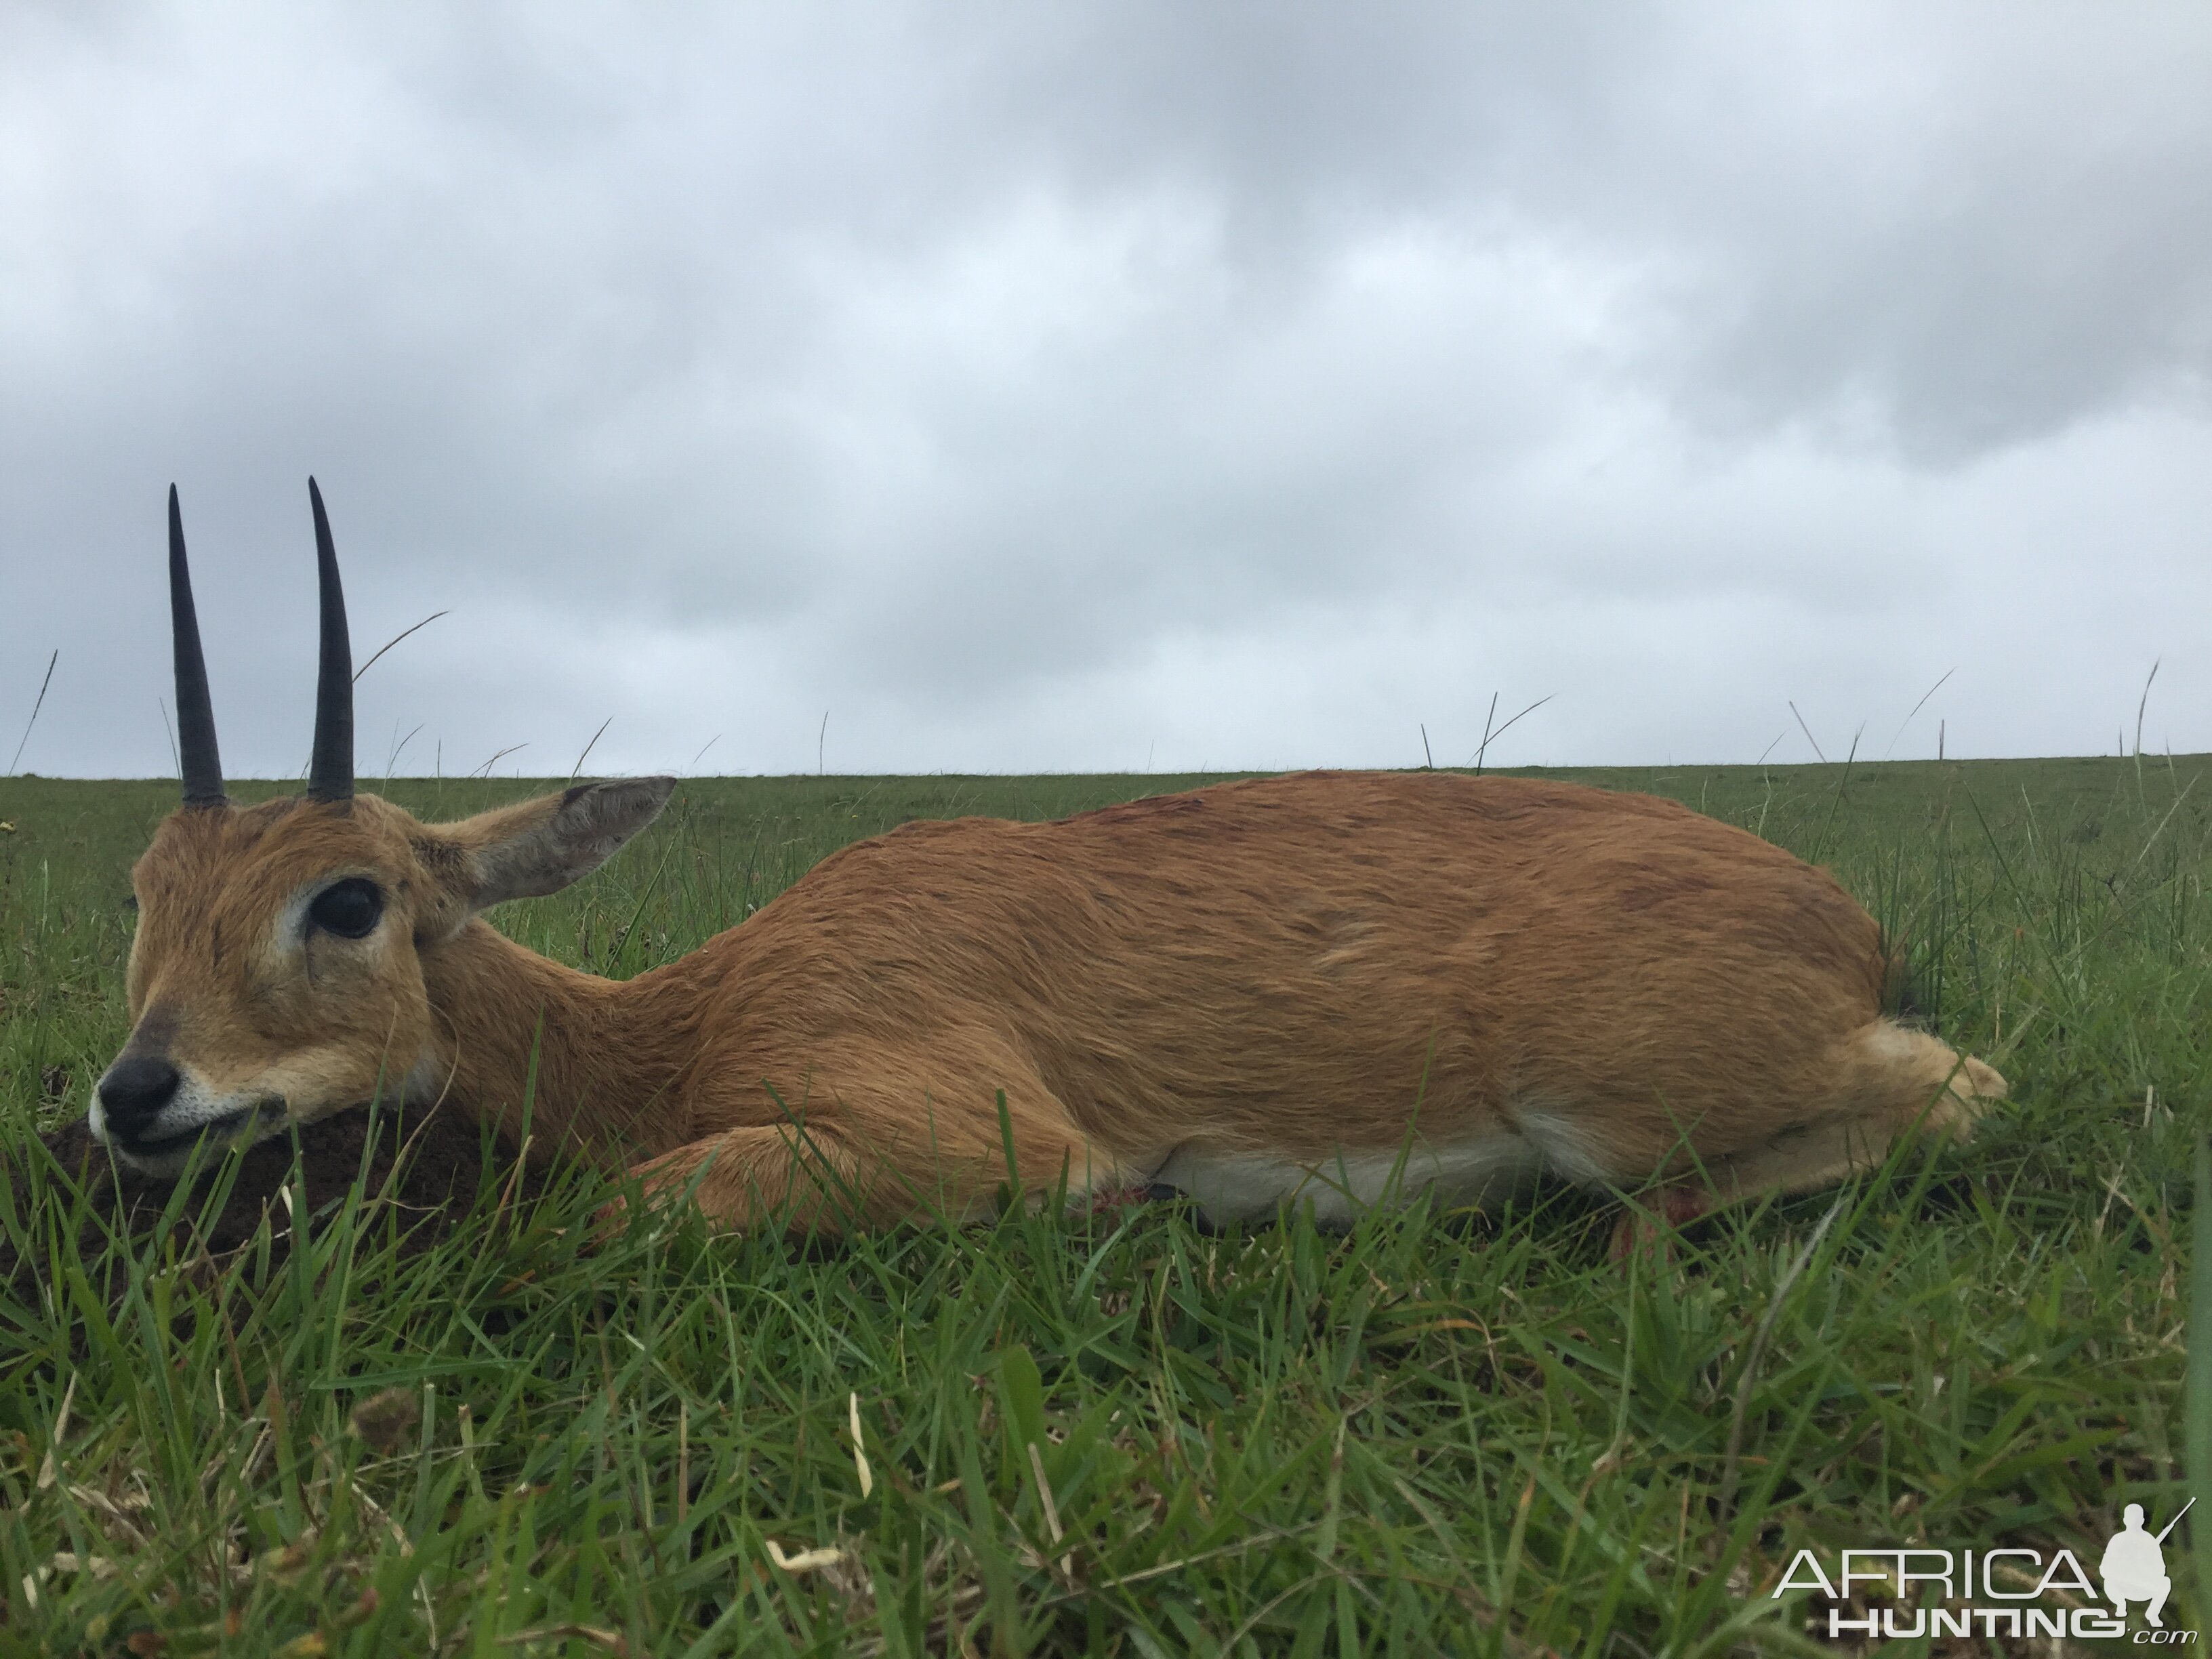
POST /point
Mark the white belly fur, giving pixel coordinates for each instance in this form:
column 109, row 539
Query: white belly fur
column 1234, row 1186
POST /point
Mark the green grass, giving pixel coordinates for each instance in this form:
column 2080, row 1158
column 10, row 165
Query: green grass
column 1432, row 1433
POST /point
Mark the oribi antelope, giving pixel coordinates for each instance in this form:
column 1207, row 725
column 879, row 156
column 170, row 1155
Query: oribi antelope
column 1333, row 986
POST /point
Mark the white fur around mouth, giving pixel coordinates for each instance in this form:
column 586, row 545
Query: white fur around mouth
column 169, row 1150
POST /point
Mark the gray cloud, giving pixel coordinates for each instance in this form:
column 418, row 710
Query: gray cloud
column 1060, row 388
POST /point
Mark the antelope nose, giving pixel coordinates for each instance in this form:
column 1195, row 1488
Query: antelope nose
column 134, row 1091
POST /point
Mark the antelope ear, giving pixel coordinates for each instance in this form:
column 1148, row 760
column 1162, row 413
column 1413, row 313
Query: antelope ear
column 541, row 845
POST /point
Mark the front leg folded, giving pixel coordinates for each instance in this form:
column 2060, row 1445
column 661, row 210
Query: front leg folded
column 821, row 1174
column 801, row 1176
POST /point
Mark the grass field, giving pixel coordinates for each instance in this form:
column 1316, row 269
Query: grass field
column 1434, row 1433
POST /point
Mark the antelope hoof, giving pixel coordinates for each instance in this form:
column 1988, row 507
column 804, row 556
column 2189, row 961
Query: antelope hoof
column 1641, row 1228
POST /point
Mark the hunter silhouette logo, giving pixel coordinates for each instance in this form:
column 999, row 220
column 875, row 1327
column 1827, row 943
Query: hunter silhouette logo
column 2004, row 1593
column 2134, row 1566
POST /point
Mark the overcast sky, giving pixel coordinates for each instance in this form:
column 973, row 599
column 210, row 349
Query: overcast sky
column 1072, row 387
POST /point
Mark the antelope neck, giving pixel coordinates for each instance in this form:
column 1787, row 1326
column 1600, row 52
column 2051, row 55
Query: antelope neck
column 596, row 1059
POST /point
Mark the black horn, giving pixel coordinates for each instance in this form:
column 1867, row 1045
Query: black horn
column 196, row 752
column 329, row 774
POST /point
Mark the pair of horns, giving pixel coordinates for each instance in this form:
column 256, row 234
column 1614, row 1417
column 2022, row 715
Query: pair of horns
column 329, row 774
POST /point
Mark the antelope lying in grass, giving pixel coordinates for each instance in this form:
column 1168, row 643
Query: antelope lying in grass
column 1333, row 986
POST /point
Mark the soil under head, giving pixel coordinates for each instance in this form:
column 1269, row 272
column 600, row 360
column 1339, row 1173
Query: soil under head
column 427, row 1164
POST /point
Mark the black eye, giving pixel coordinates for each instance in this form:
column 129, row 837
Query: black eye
column 350, row 909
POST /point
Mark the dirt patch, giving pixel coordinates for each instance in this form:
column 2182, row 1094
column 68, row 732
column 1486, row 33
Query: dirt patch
column 423, row 1166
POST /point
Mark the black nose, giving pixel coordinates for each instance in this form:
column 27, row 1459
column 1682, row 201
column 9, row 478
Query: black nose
column 134, row 1091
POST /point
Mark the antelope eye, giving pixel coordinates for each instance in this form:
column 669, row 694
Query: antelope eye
column 350, row 909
